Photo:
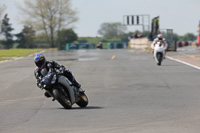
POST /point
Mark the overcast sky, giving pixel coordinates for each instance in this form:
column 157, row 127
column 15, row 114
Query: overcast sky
column 180, row 15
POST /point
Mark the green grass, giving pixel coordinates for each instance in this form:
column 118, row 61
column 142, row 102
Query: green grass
column 17, row 52
column 8, row 54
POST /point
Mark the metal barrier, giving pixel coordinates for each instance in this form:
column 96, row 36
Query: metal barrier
column 76, row 46
column 117, row 45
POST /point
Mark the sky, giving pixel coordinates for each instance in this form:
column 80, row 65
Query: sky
column 182, row 16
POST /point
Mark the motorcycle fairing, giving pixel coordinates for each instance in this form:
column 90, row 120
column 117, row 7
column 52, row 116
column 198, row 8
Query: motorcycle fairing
column 68, row 85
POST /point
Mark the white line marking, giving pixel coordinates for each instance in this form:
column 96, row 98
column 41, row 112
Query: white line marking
column 183, row 62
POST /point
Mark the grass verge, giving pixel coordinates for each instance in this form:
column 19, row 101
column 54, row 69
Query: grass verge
column 18, row 52
column 7, row 54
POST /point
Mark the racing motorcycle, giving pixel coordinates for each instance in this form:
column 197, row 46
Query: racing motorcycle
column 159, row 51
column 61, row 89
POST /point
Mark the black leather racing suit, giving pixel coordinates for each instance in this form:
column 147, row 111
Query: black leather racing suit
column 52, row 65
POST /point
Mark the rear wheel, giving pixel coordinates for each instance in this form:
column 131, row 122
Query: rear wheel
column 83, row 102
column 62, row 98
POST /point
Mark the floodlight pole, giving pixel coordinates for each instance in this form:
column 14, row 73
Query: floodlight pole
column 199, row 28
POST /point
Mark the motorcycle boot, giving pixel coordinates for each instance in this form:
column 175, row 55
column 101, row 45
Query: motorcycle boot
column 69, row 75
column 80, row 90
column 47, row 95
column 78, row 86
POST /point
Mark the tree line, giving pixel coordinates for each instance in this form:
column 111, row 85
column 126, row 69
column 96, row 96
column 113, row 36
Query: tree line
column 45, row 21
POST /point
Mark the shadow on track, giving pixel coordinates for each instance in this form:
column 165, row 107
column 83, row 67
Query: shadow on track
column 176, row 65
column 86, row 108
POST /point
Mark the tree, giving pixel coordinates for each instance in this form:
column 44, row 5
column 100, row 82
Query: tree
column 26, row 37
column 66, row 36
column 6, row 31
column 175, row 37
column 2, row 9
column 49, row 16
column 112, row 30
column 189, row 37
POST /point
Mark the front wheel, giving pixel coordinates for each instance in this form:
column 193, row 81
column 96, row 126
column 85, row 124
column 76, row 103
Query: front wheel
column 159, row 57
column 83, row 100
column 62, row 98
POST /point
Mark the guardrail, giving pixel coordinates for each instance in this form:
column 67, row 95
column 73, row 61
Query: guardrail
column 117, row 45
column 76, row 46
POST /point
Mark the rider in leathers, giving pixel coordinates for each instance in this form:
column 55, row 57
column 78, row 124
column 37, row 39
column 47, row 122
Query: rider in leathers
column 162, row 40
column 44, row 66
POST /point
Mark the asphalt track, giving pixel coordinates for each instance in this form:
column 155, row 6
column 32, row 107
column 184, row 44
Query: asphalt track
column 127, row 93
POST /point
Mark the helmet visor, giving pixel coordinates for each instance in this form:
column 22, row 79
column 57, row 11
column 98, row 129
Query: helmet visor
column 40, row 63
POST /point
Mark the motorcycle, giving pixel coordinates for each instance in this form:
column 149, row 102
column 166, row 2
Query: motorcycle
column 60, row 88
column 159, row 51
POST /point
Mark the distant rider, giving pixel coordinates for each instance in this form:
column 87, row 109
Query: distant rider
column 44, row 66
column 162, row 40
column 100, row 45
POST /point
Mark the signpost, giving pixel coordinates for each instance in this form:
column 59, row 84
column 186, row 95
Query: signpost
column 142, row 20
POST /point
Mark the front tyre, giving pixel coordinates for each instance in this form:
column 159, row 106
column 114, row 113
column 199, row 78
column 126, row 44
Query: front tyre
column 62, row 98
column 83, row 100
column 159, row 57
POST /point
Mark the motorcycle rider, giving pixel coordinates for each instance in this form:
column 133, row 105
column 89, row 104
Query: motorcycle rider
column 162, row 40
column 44, row 66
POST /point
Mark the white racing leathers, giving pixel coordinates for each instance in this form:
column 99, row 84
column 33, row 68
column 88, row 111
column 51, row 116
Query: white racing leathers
column 159, row 50
column 163, row 42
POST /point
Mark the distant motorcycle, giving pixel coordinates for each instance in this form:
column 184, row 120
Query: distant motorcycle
column 61, row 89
column 159, row 51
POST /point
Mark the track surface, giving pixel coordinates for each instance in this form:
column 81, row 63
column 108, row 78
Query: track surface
column 127, row 93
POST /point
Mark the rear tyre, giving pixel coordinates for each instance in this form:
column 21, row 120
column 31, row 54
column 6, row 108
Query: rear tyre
column 83, row 102
column 62, row 98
